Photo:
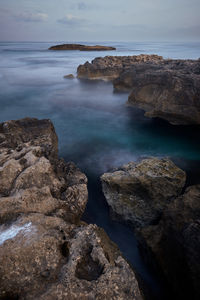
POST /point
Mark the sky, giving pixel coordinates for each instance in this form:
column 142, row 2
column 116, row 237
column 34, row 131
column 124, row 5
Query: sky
column 105, row 20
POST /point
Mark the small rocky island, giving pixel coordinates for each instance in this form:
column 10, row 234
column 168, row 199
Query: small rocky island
column 164, row 88
column 81, row 47
column 46, row 251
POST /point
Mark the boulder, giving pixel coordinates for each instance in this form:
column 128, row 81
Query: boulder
column 139, row 193
column 81, row 47
column 33, row 178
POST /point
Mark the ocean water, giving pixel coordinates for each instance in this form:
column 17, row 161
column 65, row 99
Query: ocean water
column 95, row 128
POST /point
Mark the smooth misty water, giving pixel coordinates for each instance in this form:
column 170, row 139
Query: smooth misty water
column 95, row 128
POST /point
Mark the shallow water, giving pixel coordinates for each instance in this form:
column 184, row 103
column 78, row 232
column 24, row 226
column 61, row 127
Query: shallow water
column 95, row 128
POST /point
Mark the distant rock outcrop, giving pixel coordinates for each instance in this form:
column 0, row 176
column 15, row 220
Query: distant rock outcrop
column 46, row 252
column 168, row 89
column 81, row 47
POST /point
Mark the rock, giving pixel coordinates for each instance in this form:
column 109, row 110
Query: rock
column 175, row 243
column 167, row 94
column 167, row 89
column 139, row 193
column 33, row 179
column 46, row 252
column 81, row 47
column 70, row 76
column 110, row 67
column 45, row 258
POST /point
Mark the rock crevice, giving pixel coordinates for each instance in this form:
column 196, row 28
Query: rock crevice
column 46, row 251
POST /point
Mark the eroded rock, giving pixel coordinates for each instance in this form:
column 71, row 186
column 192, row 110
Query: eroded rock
column 163, row 88
column 174, row 243
column 168, row 94
column 33, row 179
column 110, row 67
column 140, row 192
column 46, row 252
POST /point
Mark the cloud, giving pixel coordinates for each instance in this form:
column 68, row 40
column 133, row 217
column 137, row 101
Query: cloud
column 71, row 20
column 31, row 17
column 82, row 6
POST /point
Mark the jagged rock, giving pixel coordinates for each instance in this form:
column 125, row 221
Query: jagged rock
column 168, row 89
column 167, row 94
column 110, row 67
column 46, row 252
column 139, row 193
column 175, row 243
column 81, row 47
column 33, row 179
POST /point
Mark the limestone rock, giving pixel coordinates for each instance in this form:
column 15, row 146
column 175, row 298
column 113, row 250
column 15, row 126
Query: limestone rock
column 167, row 94
column 33, row 179
column 45, row 258
column 110, row 67
column 163, row 88
column 138, row 193
column 46, row 252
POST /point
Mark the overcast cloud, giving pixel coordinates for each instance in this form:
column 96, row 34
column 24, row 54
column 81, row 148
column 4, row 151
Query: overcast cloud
column 105, row 20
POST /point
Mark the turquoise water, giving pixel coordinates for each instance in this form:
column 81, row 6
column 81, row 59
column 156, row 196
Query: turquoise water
column 95, row 128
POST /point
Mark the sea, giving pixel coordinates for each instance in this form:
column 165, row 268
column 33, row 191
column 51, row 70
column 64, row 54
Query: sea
column 95, row 127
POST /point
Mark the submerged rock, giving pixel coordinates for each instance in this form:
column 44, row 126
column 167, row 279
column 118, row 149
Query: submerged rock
column 168, row 89
column 139, row 193
column 69, row 76
column 46, row 252
column 81, row 47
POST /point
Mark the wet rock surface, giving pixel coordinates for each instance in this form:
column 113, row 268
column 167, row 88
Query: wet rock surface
column 164, row 88
column 46, row 252
column 170, row 242
column 81, row 47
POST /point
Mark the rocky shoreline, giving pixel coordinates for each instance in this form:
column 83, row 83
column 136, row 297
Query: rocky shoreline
column 82, row 47
column 46, row 251
column 164, row 88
